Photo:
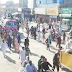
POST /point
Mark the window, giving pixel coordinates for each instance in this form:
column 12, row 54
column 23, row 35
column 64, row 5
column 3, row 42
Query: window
column 11, row 24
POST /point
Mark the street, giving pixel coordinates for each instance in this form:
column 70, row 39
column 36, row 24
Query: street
column 12, row 62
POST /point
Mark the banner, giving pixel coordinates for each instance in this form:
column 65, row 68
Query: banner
column 52, row 11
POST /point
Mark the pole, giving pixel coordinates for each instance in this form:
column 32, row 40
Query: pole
column 61, row 18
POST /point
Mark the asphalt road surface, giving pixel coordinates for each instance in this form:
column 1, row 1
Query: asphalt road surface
column 12, row 62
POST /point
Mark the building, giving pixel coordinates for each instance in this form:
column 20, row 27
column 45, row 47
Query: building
column 48, row 1
column 48, row 10
column 66, row 3
column 31, row 4
column 23, row 3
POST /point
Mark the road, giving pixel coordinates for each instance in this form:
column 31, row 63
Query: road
column 12, row 63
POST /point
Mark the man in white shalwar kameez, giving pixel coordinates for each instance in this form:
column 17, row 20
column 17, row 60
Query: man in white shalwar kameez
column 23, row 55
column 4, row 47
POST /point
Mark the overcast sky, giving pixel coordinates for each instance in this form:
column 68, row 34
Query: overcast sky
column 4, row 1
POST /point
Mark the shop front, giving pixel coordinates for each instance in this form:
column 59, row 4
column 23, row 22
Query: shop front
column 53, row 14
column 40, row 15
column 66, row 17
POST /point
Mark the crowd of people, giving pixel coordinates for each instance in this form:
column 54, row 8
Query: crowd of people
column 54, row 34
column 9, row 39
column 44, row 65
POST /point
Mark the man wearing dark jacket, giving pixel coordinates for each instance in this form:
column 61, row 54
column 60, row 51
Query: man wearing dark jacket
column 56, row 60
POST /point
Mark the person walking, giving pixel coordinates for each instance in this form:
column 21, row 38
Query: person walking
column 58, row 41
column 10, row 33
column 28, row 32
column 56, row 61
column 4, row 47
column 40, row 62
column 18, row 37
column 30, row 67
column 16, row 45
column 9, row 41
column 64, row 36
column 22, row 55
column 6, row 36
column 34, row 33
column 48, row 42
column 43, row 34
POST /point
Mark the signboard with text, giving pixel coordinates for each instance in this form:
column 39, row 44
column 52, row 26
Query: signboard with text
column 66, row 10
column 52, row 11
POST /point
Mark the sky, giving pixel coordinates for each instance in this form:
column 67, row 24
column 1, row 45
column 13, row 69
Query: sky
column 4, row 1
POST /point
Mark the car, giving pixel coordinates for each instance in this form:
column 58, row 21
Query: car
column 10, row 24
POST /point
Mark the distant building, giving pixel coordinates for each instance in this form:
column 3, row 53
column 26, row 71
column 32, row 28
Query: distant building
column 31, row 4
column 23, row 3
column 67, row 3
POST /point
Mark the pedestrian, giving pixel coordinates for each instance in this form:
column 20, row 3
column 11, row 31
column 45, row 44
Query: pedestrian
column 18, row 37
column 22, row 55
column 26, row 61
column 43, row 34
column 40, row 62
column 32, row 30
column 28, row 32
column 56, row 61
column 34, row 33
column 4, row 47
column 64, row 36
column 30, row 67
column 48, row 42
column 27, row 41
column 10, row 33
column 46, row 65
column 9, row 41
column 58, row 41
column 22, row 24
column 6, row 36
column 16, row 45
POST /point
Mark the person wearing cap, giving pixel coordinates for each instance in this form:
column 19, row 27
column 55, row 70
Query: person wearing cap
column 30, row 67
column 39, row 63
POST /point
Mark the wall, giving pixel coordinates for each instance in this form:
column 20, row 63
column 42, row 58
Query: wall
column 40, row 11
column 31, row 4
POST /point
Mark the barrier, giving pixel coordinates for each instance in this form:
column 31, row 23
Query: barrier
column 66, row 59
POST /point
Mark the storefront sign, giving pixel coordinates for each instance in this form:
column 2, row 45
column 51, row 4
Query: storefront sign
column 40, row 11
column 66, row 10
column 52, row 11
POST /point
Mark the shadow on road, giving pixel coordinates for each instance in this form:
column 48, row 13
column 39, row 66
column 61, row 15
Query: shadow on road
column 66, row 70
column 10, row 60
column 52, row 51
column 14, row 51
column 8, row 52
column 34, row 54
